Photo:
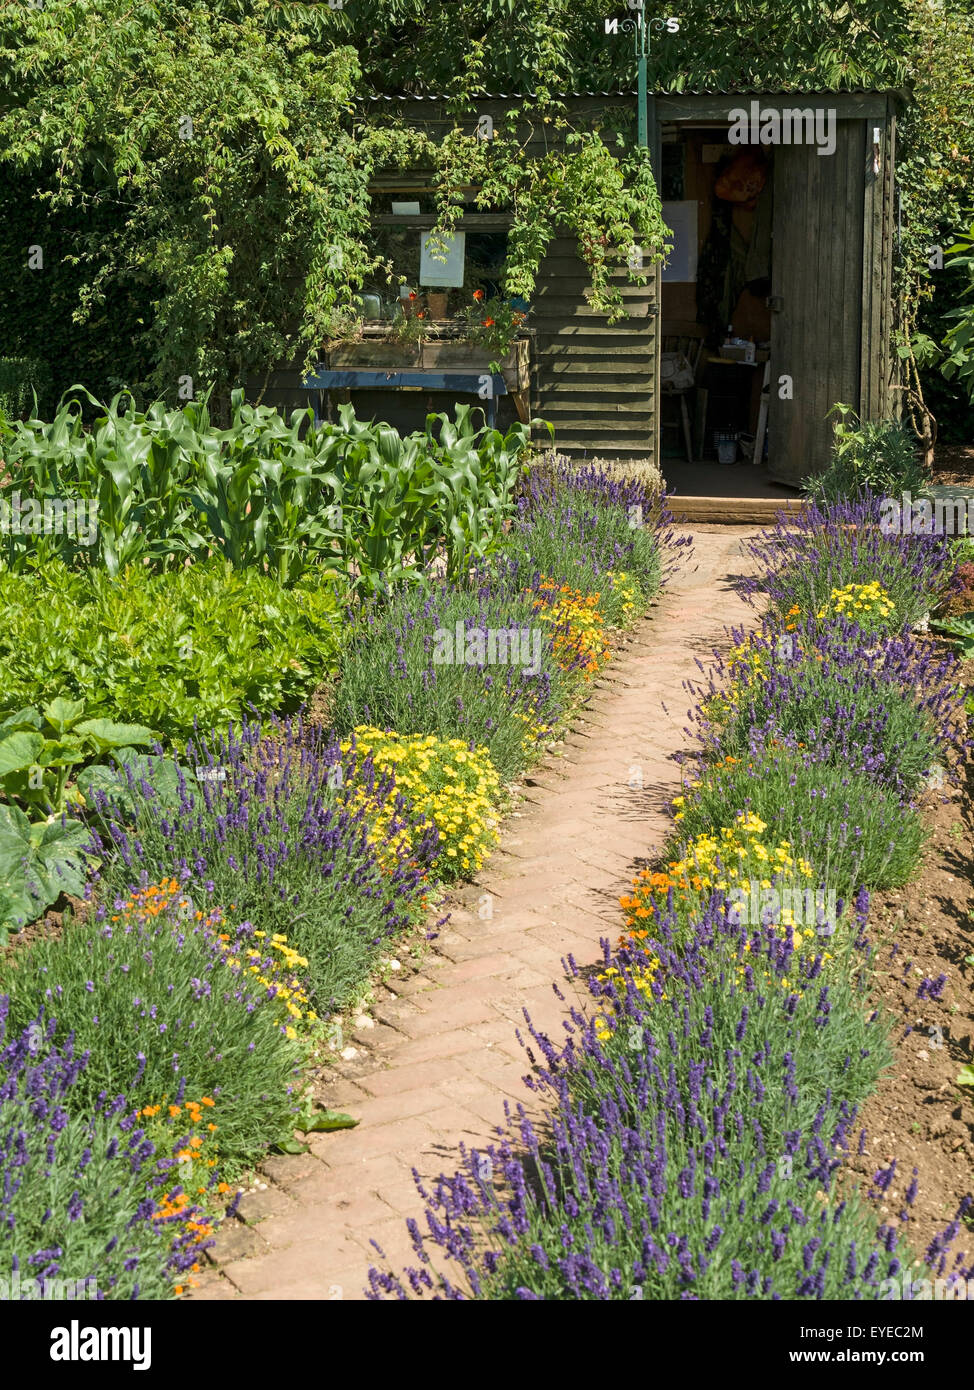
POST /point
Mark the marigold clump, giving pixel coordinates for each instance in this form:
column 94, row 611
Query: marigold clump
column 868, row 605
column 580, row 641
column 449, row 786
column 729, row 858
column 194, row 1156
column 733, row 859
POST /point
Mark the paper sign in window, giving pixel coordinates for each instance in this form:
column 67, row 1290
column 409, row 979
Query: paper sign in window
column 441, row 260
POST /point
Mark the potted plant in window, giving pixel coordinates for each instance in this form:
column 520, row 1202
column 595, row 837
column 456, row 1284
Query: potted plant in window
column 436, row 302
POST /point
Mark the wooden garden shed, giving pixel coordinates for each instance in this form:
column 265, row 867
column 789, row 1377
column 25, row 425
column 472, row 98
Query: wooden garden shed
column 812, row 256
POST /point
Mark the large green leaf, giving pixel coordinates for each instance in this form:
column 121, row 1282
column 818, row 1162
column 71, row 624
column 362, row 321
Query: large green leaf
column 106, row 735
column 14, row 836
column 16, row 906
column 18, row 751
column 63, row 714
column 39, row 862
column 62, row 752
column 59, row 863
column 323, row 1121
column 27, row 718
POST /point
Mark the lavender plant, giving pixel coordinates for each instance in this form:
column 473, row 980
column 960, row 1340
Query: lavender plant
column 423, row 664
column 695, row 1130
column 852, row 831
column 697, row 1117
column 158, row 996
column 889, row 706
column 81, row 1187
column 804, row 556
column 278, row 826
column 585, row 526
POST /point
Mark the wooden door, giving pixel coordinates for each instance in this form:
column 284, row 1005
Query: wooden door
column 879, row 236
column 817, row 295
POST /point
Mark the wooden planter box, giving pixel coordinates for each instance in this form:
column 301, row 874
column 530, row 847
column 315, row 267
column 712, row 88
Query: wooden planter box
column 458, row 353
column 434, row 355
column 374, row 354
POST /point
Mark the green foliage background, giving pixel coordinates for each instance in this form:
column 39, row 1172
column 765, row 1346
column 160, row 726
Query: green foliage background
column 218, row 256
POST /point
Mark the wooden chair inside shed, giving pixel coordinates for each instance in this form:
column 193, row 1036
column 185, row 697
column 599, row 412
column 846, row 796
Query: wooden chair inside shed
column 687, row 339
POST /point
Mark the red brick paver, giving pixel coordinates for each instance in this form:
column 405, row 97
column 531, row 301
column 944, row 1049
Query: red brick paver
column 442, row 1059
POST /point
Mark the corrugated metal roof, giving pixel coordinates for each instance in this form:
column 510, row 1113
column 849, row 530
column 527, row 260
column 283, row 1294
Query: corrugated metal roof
column 662, row 92
column 497, row 96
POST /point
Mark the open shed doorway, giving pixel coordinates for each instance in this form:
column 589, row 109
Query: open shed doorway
column 716, row 315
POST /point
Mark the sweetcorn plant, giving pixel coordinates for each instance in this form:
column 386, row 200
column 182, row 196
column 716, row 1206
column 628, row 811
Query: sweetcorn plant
column 450, row 788
column 281, row 496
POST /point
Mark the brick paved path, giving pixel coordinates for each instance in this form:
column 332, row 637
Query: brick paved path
column 442, row 1058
